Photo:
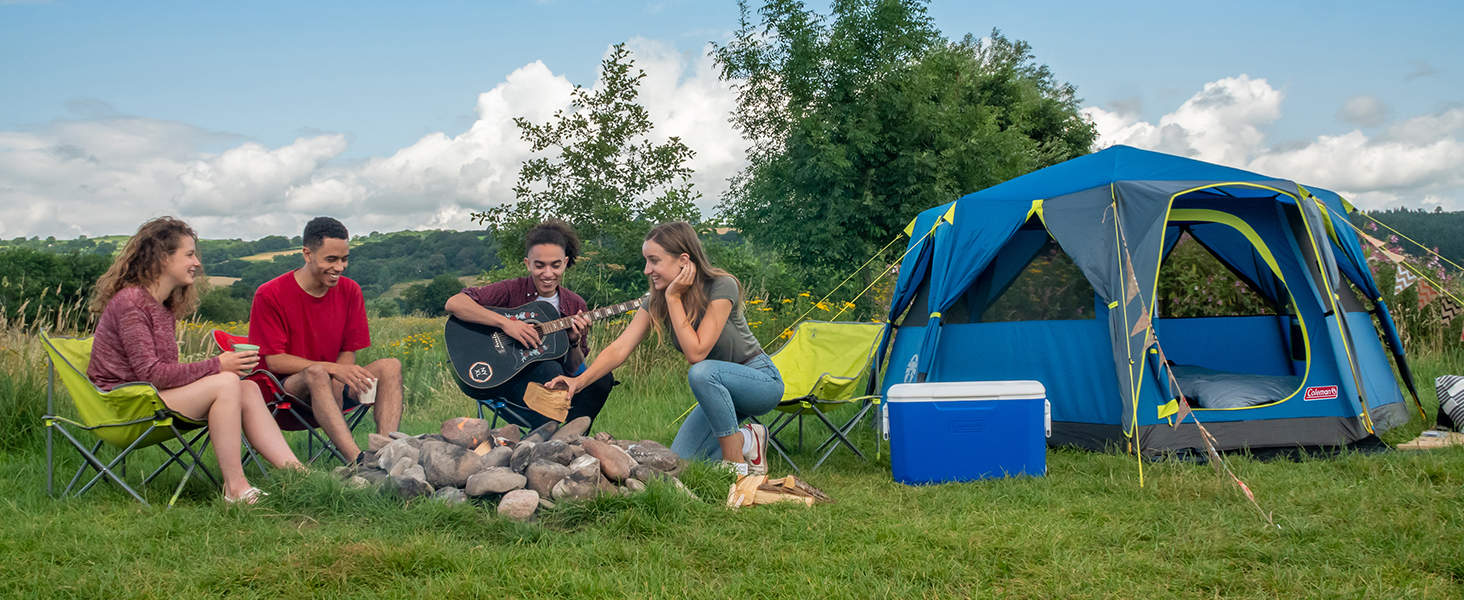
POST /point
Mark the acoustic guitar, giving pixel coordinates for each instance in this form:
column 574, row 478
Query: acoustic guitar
column 484, row 357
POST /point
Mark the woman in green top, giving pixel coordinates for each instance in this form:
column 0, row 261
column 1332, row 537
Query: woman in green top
column 730, row 375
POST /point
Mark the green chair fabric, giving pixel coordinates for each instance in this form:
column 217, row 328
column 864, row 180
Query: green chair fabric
column 130, row 417
column 821, row 365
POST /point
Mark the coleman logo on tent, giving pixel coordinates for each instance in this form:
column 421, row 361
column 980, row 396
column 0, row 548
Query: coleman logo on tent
column 910, row 369
column 1324, row 392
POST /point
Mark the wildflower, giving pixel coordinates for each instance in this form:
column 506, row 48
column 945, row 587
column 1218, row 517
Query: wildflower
column 765, row 309
column 848, row 305
column 754, row 301
column 803, row 295
column 787, row 333
column 822, row 306
column 787, row 300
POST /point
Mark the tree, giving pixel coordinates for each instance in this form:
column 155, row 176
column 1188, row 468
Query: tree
column 430, row 298
column 859, row 121
column 603, row 174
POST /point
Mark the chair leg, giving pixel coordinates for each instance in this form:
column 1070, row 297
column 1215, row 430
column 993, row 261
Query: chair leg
column 90, row 458
column 841, row 435
column 120, row 460
column 314, row 436
column 173, row 457
column 251, row 456
column 197, row 460
column 82, row 469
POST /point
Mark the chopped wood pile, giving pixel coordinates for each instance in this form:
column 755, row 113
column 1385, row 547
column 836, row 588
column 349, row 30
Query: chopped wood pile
column 754, row 490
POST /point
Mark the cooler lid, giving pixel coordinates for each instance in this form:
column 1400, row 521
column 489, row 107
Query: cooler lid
column 967, row 390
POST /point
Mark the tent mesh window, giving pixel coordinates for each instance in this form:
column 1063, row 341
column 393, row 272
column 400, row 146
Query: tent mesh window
column 1194, row 283
column 1050, row 288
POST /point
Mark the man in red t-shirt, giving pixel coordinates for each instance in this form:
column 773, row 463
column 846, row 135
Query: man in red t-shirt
column 309, row 323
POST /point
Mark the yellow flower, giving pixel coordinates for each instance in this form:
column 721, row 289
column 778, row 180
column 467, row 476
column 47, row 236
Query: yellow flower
column 787, row 333
column 848, row 305
column 789, row 300
column 822, row 306
column 765, row 309
column 803, row 295
column 754, row 301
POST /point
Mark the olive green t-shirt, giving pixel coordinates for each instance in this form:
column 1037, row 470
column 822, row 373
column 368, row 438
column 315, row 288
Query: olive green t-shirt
column 736, row 344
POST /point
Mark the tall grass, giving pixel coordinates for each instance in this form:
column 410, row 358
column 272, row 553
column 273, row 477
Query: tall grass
column 23, row 369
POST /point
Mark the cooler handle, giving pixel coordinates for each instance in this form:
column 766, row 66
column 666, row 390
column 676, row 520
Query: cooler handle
column 1046, row 417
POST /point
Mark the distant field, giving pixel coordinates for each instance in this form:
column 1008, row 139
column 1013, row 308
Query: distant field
column 221, row 281
column 396, row 291
column 262, row 256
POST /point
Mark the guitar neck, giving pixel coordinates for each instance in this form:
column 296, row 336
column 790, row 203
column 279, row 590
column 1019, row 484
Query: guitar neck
column 594, row 315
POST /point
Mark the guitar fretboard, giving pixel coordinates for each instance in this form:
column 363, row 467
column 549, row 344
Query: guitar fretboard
column 594, row 315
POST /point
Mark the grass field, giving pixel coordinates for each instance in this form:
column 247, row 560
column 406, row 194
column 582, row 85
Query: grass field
column 1377, row 526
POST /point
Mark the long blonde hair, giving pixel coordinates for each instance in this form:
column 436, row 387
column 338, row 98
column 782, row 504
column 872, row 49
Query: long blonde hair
column 679, row 238
column 141, row 263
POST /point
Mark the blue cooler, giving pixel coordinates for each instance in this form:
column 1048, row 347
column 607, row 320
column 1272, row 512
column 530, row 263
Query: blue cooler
column 961, row 431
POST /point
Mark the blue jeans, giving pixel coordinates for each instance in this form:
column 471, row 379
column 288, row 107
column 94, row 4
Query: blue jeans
column 726, row 393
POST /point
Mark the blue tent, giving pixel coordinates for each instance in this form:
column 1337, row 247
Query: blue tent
column 1312, row 371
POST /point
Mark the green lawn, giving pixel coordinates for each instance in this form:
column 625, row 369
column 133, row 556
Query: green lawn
column 1380, row 526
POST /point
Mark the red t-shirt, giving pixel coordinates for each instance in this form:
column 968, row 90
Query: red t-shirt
column 286, row 320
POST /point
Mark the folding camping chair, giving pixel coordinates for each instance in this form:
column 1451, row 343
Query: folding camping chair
column 820, row 366
column 284, row 406
column 131, row 416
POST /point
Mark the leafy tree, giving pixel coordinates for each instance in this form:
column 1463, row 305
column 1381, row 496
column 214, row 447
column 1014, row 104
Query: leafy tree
column 219, row 305
column 859, row 121
column 430, row 298
column 52, row 288
column 603, row 174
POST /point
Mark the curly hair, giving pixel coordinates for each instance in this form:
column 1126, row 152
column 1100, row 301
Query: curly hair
column 558, row 233
column 141, row 263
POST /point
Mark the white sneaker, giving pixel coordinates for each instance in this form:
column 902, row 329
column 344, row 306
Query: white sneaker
column 736, row 468
column 757, row 460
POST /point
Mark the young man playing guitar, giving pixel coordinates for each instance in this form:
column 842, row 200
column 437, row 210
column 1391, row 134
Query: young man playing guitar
column 552, row 247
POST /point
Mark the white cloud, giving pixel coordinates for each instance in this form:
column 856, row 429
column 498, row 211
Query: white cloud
column 1410, row 163
column 107, row 173
column 1364, row 110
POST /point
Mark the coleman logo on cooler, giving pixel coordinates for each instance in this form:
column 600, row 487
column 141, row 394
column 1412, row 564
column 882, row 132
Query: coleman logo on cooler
column 1324, row 392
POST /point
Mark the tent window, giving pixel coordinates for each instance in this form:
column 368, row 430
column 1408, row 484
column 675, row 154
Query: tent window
column 1050, row 288
column 1194, row 283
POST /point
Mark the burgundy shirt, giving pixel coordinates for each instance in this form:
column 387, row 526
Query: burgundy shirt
column 136, row 340
column 513, row 293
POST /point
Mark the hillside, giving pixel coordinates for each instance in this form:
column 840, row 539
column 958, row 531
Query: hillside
column 1441, row 230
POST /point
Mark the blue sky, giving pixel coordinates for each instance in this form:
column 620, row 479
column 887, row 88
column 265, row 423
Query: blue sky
column 248, row 117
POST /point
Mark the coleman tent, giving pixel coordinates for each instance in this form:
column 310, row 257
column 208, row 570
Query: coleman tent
column 1053, row 277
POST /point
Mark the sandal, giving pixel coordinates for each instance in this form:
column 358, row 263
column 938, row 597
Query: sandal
column 250, row 496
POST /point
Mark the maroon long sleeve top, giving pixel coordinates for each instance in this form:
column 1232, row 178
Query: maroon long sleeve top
column 136, row 340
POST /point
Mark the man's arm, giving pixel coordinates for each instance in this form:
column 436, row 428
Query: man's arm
column 344, row 369
column 466, row 308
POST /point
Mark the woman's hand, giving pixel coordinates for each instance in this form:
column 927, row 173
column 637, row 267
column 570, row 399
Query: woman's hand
column 239, row 363
column 682, row 282
column 578, row 324
column 565, row 382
